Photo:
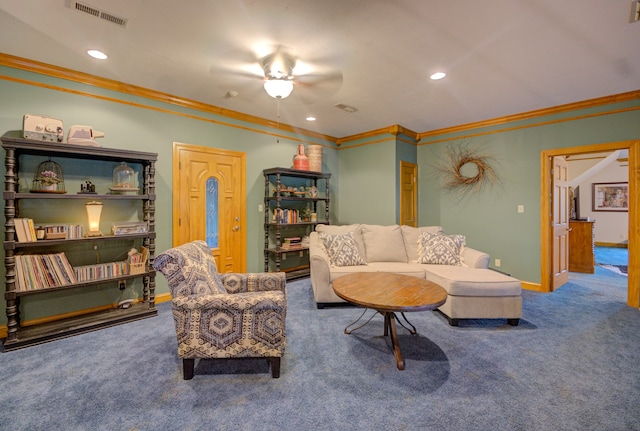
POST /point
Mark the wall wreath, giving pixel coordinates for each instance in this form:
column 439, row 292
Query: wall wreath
column 467, row 170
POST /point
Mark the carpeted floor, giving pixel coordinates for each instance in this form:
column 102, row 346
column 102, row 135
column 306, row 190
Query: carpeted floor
column 572, row 364
column 614, row 259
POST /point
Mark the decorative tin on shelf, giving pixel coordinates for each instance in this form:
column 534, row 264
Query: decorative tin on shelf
column 125, row 228
column 48, row 178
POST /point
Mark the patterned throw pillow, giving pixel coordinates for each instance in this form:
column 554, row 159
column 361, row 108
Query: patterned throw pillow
column 440, row 249
column 342, row 249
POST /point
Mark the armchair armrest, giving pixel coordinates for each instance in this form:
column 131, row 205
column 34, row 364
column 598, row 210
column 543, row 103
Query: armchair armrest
column 275, row 300
column 254, row 282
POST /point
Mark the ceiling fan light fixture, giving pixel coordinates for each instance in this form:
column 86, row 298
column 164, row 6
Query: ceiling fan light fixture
column 278, row 88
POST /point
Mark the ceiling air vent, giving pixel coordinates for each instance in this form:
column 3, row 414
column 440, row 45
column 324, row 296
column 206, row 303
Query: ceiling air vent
column 85, row 8
column 346, row 108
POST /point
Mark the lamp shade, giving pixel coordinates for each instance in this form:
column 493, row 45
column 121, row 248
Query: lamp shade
column 278, row 88
column 94, row 209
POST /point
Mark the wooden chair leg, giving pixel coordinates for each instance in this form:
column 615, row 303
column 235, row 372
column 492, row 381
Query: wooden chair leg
column 188, row 365
column 275, row 367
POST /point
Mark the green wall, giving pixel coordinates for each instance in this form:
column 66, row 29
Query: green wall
column 367, row 188
column 490, row 219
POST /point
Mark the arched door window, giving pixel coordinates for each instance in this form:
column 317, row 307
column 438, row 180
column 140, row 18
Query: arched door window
column 212, row 213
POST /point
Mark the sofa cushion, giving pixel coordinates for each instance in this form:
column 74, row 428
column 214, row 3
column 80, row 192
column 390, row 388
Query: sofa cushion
column 336, row 229
column 440, row 249
column 464, row 281
column 383, row 243
column 341, row 249
column 411, row 235
column 411, row 269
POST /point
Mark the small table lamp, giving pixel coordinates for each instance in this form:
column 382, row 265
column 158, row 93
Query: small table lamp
column 93, row 215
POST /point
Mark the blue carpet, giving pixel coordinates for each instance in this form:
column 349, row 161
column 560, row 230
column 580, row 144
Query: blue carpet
column 572, row 364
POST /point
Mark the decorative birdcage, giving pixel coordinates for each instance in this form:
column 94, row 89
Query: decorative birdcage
column 48, row 178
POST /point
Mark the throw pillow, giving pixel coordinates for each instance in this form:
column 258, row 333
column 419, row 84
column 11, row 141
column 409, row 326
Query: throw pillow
column 440, row 249
column 342, row 249
column 383, row 243
column 411, row 236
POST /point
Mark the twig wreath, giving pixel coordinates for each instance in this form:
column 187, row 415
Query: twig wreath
column 467, row 170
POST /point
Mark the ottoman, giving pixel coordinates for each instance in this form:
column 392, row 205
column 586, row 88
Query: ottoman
column 477, row 293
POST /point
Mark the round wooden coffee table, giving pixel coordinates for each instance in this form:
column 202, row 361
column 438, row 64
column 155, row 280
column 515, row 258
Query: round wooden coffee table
column 389, row 293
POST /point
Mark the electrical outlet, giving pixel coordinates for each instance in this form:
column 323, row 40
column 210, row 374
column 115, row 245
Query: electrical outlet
column 520, row 209
column 284, row 256
column 498, row 263
column 260, row 208
column 301, row 253
column 122, row 284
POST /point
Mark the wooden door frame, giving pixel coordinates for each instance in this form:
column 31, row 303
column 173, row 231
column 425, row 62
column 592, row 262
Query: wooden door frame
column 414, row 196
column 633, row 295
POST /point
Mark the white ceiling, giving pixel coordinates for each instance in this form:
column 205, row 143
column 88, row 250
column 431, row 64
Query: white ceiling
column 502, row 56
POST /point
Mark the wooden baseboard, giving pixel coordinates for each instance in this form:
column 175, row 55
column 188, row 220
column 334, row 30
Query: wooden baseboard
column 163, row 297
column 613, row 244
column 531, row 286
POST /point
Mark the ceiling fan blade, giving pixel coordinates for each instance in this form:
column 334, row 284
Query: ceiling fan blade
column 315, row 86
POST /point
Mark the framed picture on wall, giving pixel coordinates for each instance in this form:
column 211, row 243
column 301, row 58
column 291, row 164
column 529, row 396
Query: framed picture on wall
column 610, row 197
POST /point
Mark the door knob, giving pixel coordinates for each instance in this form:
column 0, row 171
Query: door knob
column 236, row 228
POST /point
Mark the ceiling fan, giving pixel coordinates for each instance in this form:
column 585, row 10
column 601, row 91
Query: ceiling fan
column 283, row 74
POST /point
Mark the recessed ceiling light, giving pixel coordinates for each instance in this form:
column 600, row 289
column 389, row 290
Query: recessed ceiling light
column 311, row 118
column 438, row 75
column 97, row 54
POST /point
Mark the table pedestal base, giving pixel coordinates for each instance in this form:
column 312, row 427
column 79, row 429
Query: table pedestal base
column 389, row 329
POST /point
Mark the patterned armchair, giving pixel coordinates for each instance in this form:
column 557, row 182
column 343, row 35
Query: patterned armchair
column 223, row 315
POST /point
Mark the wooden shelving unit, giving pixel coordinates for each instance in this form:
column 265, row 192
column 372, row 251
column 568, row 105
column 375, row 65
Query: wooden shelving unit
column 16, row 149
column 274, row 232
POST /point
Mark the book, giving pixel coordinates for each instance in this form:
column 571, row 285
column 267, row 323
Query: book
column 32, row 229
column 21, row 233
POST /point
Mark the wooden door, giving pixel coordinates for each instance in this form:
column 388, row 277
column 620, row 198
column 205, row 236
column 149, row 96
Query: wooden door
column 560, row 214
column 408, row 194
column 209, row 202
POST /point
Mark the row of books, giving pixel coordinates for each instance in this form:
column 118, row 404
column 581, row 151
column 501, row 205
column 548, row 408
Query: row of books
column 40, row 271
column 27, row 231
column 74, row 231
column 101, row 270
column 286, row 216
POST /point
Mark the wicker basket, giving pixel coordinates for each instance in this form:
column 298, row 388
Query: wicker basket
column 137, row 268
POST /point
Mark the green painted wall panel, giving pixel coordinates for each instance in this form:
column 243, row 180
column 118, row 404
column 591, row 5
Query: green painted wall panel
column 367, row 186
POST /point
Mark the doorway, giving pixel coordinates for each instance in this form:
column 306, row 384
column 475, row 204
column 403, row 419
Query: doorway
column 546, row 217
column 209, row 202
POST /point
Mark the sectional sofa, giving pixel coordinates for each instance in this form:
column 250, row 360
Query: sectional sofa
column 474, row 291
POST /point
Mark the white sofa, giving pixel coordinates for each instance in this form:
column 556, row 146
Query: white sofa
column 474, row 291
